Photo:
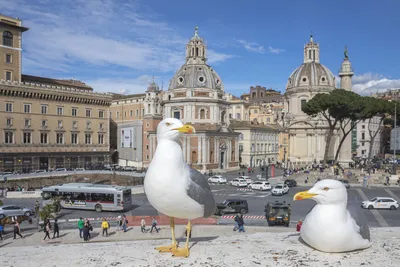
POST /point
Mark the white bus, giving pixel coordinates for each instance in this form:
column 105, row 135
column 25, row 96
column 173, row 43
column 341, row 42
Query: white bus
column 89, row 196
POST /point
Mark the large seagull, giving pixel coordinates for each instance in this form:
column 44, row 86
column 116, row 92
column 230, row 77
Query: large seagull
column 331, row 226
column 172, row 187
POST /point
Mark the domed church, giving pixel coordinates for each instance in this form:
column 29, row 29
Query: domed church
column 196, row 96
column 307, row 136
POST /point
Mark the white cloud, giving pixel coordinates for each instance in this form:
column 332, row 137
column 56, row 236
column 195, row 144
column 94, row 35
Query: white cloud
column 252, row 47
column 122, row 86
column 375, row 85
column 88, row 35
column 275, row 50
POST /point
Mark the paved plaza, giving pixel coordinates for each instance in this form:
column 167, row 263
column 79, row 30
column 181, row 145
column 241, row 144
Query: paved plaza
column 211, row 246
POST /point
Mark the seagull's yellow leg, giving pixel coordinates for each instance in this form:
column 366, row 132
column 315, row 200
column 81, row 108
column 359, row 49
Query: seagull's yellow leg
column 184, row 252
column 174, row 245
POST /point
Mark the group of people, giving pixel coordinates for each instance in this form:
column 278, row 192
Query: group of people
column 153, row 225
column 47, row 229
column 85, row 228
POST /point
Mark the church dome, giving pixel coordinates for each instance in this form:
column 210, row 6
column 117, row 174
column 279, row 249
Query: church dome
column 195, row 73
column 196, row 76
column 311, row 74
column 153, row 87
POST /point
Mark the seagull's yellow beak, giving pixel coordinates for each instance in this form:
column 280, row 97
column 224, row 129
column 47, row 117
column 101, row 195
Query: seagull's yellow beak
column 186, row 129
column 303, row 195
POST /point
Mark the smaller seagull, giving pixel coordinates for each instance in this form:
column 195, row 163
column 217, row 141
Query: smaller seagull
column 172, row 187
column 329, row 226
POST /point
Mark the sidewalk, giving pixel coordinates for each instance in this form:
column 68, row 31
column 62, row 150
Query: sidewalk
column 210, row 246
column 133, row 233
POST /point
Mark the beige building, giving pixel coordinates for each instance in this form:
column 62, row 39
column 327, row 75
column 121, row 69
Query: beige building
column 258, row 143
column 307, row 136
column 47, row 123
column 11, row 48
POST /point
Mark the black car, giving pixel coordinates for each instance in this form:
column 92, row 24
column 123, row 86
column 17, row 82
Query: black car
column 232, row 206
column 290, row 183
column 278, row 213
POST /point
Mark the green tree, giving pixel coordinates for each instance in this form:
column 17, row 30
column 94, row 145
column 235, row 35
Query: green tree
column 319, row 105
column 47, row 212
column 352, row 109
column 338, row 108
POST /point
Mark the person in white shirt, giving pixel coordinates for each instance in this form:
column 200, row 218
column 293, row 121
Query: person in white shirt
column 143, row 225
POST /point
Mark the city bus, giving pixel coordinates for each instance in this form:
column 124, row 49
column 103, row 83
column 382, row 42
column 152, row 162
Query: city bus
column 87, row 196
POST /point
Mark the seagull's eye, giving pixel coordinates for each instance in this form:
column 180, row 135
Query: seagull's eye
column 326, row 188
column 168, row 124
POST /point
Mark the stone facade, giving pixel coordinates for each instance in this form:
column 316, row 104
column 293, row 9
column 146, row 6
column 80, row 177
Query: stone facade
column 47, row 123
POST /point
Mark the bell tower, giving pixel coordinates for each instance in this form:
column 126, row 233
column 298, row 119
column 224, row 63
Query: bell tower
column 196, row 49
column 311, row 51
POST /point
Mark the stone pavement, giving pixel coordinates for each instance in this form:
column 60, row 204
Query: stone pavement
column 211, row 246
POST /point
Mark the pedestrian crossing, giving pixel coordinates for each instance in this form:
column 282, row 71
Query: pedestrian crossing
column 244, row 194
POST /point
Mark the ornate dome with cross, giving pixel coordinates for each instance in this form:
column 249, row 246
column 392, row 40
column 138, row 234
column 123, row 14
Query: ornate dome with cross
column 195, row 73
column 196, row 96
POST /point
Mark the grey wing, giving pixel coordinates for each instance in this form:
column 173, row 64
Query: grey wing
column 358, row 215
column 200, row 191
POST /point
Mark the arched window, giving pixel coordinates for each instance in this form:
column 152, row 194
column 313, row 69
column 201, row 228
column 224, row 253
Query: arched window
column 7, row 38
column 202, row 114
column 223, row 116
column 197, row 51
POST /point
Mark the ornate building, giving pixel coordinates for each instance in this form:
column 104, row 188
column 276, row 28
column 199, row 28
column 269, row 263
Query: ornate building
column 47, row 123
column 196, row 96
column 307, row 136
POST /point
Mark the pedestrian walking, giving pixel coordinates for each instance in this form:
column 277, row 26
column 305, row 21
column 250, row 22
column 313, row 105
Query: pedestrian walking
column 236, row 222
column 56, row 229
column 104, row 226
column 143, row 225
column 47, row 231
column 124, row 223
column 154, row 225
column 241, row 224
column 90, row 227
column 17, row 230
column 81, row 224
column 37, row 206
column 119, row 227
column 1, row 232
column 85, row 231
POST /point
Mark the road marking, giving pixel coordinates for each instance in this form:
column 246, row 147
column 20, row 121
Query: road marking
column 374, row 212
column 393, row 195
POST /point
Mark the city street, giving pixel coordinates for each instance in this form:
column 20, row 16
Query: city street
column 256, row 201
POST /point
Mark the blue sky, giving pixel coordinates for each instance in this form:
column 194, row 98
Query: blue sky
column 117, row 46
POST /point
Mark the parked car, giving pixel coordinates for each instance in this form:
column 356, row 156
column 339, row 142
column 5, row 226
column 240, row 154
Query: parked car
column 380, row 203
column 345, row 183
column 239, row 182
column 217, row 179
column 232, row 206
column 247, row 178
column 13, row 210
column 278, row 213
column 128, row 168
column 61, row 170
column 290, row 183
column 280, row 190
column 80, row 169
column 260, row 185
